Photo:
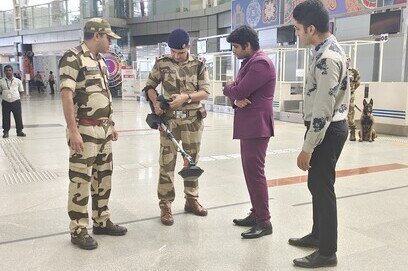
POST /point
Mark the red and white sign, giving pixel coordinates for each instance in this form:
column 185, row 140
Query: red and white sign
column 128, row 82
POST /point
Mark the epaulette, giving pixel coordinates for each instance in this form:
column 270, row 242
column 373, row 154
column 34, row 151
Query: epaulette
column 163, row 57
column 76, row 50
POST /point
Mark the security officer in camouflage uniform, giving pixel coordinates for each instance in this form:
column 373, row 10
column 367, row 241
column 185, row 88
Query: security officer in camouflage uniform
column 354, row 84
column 87, row 105
column 185, row 80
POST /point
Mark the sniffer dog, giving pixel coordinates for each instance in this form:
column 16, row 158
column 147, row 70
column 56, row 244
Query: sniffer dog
column 367, row 132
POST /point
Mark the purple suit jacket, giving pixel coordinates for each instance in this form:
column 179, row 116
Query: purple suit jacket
column 255, row 81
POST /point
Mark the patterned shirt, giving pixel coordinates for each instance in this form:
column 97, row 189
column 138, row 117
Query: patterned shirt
column 327, row 92
column 86, row 75
column 177, row 78
column 10, row 89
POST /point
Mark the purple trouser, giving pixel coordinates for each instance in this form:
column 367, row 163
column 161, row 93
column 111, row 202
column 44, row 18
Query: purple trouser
column 253, row 152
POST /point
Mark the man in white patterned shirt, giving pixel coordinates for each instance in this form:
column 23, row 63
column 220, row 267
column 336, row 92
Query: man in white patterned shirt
column 326, row 102
column 10, row 88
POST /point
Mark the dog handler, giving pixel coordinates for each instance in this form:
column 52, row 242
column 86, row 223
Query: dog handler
column 354, row 84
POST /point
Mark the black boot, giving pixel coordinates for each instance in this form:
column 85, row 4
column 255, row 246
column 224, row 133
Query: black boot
column 83, row 240
column 110, row 229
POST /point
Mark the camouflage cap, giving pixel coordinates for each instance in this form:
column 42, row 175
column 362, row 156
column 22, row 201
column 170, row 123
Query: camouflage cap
column 99, row 25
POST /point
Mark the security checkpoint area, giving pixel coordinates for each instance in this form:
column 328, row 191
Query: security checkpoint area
column 40, row 171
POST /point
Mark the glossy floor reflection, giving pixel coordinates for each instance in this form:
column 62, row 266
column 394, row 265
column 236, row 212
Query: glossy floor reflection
column 371, row 187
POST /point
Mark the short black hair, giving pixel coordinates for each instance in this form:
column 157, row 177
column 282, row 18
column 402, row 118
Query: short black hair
column 312, row 12
column 244, row 34
column 8, row 67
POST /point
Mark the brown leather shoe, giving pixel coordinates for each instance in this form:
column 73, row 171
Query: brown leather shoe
column 192, row 206
column 166, row 216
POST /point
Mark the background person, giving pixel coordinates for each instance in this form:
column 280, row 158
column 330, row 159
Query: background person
column 51, row 82
column 10, row 88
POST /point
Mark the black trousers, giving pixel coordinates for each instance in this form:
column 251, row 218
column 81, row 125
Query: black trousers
column 6, row 109
column 321, row 179
column 51, row 86
column 39, row 86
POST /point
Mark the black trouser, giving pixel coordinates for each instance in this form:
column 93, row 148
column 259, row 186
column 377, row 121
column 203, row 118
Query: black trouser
column 321, row 178
column 51, row 86
column 14, row 107
column 39, row 85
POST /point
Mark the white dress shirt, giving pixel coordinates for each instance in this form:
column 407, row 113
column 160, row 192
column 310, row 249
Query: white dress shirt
column 10, row 89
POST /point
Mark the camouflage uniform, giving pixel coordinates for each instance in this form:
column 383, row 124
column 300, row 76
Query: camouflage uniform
column 354, row 84
column 86, row 76
column 187, row 77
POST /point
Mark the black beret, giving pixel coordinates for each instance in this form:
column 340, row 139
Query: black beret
column 178, row 39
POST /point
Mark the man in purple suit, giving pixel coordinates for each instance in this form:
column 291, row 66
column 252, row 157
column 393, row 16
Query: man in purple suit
column 252, row 96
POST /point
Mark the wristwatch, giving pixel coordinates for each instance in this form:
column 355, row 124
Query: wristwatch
column 189, row 98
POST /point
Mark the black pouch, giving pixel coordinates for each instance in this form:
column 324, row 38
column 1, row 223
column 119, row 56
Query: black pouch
column 201, row 113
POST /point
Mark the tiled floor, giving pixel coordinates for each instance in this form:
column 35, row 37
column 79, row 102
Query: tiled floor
column 371, row 187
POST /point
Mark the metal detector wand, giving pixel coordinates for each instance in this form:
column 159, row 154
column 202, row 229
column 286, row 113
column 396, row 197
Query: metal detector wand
column 180, row 149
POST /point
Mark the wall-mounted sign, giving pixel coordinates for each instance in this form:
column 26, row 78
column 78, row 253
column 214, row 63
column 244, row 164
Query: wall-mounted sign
column 255, row 13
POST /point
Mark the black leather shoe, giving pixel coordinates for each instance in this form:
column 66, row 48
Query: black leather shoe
column 257, row 231
column 110, row 229
column 306, row 241
column 5, row 135
column 83, row 240
column 316, row 260
column 248, row 221
column 21, row 134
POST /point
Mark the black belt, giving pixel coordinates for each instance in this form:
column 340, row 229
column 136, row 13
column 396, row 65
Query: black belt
column 307, row 123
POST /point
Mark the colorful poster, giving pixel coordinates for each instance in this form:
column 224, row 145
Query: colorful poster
column 357, row 5
column 114, row 73
column 334, row 7
column 289, row 6
column 255, row 13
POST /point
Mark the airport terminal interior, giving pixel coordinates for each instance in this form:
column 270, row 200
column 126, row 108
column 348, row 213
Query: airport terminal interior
column 372, row 177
